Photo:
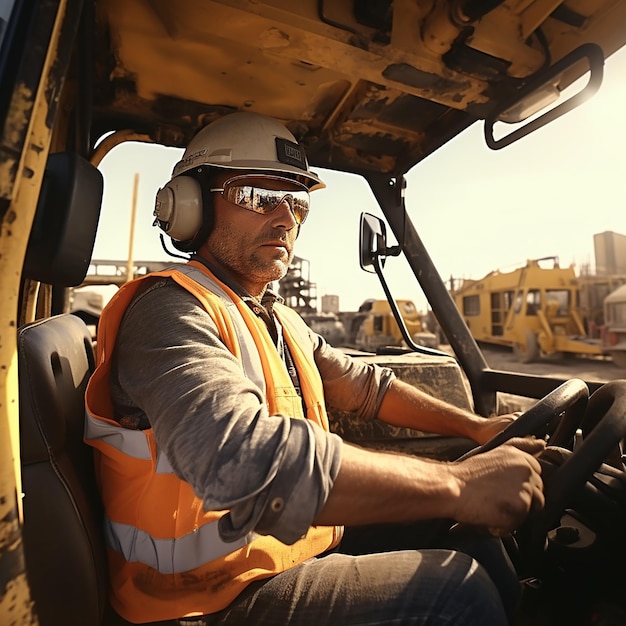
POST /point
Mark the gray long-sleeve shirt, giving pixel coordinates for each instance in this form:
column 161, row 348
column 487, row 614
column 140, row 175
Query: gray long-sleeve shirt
column 171, row 371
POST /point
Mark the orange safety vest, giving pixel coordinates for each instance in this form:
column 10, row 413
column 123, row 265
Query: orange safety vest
column 166, row 558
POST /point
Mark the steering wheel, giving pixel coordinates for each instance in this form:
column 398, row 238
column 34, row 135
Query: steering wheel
column 603, row 416
column 606, row 409
column 567, row 403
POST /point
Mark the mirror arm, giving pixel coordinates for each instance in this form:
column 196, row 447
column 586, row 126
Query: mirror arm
column 393, row 251
column 396, row 312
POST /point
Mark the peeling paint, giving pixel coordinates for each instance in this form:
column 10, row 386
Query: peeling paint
column 19, row 114
column 15, row 604
column 9, row 531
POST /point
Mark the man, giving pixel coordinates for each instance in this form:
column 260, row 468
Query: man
column 225, row 493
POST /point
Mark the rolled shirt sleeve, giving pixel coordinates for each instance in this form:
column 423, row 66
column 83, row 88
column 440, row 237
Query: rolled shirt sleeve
column 273, row 473
column 352, row 384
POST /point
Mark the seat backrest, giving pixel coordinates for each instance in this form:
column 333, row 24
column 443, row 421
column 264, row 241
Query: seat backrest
column 63, row 546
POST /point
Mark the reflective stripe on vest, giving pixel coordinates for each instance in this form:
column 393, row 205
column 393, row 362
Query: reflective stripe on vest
column 249, row 358
column 167, row 556
column 174, row 555
column 130, row 442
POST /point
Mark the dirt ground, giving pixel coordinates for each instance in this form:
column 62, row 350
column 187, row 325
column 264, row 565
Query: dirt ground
column 589, row 369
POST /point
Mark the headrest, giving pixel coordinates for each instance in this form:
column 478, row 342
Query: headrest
column 55, row 361
column 64, row 229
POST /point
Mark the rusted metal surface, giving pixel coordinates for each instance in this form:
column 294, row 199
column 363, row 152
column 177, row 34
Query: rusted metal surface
column 24, row 146
column 367, row 86
column 16, row 607
column 14, row 132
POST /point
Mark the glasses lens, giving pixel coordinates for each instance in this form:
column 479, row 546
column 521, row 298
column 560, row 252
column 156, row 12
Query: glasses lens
column 265, row 201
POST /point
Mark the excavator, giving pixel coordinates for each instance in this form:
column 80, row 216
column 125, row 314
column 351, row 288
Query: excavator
column 371, row 89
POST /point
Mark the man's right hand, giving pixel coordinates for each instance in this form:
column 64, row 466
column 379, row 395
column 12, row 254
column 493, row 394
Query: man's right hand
column 497, row 489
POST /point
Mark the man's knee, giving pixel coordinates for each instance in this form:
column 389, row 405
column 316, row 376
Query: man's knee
column 420, row 588
column 460, row 589
column 429, row 587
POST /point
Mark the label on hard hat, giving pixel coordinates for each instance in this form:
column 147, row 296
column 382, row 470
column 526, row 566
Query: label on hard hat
column 290, row 153
column 188, row 161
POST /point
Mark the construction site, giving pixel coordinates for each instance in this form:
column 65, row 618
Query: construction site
column 531, row 318
column 539, row 310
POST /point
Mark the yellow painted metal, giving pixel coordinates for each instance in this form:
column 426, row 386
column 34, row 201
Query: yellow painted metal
column 379, row 326
column 531, row 304
column 15, row 605
column 534, row 16
column 115, row 139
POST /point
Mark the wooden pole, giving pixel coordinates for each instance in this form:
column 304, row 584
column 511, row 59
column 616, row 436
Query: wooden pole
column 131, row 242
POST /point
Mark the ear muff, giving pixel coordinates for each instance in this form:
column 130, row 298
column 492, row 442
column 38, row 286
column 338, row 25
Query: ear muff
column 178, row 208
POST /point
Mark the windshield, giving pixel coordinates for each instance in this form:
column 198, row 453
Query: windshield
column 558, row 302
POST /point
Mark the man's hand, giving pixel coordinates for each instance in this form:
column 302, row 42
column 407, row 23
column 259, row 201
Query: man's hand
column 500, row 487
column 406, row 406
column 485, row 429
column 495, row 489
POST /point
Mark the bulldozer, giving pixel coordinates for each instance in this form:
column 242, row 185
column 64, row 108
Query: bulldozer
column 533, row 309
column 374, row 328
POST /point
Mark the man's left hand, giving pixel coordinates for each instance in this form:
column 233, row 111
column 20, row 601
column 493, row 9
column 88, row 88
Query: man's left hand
column 490, row 427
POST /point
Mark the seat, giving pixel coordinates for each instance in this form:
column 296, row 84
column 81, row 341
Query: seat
column 64, row 551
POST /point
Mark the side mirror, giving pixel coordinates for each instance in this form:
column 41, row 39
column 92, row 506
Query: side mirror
column 64, row 229
column 372, row 242
column 373, row 251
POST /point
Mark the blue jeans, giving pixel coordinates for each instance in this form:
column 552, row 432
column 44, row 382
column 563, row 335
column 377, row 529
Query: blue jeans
column 408, row 587
column 487, row 550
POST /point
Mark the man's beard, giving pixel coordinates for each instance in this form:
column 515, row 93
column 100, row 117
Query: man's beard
column 246, row 259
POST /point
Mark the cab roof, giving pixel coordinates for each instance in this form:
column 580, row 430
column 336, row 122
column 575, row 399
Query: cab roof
column 365, row 85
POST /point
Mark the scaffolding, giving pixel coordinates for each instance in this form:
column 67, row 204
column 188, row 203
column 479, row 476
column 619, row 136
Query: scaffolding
column 297, row 289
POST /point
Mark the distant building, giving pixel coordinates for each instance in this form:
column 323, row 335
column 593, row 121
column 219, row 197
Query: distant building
column 330, row 304
column 610, row 252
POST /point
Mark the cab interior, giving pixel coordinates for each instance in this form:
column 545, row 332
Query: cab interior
column 369, row 88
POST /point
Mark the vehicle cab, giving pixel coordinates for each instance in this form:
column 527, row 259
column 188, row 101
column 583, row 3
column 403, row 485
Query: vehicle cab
column 614, row 328
column 372, row 89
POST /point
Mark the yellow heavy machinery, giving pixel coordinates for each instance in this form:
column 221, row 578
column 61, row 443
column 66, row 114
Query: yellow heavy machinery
column 534, row 309
column 376, row 326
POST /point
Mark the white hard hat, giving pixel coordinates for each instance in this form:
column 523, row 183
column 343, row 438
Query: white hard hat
column 248, row 141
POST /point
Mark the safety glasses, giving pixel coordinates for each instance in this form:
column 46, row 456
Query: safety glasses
column 253, row 196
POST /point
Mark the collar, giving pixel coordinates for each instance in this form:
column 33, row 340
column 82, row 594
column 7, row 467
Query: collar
column 267, row 300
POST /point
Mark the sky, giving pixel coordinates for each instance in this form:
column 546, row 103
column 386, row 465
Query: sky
column 475, row 209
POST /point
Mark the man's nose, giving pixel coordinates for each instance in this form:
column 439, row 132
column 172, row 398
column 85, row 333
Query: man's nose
column 283, row 216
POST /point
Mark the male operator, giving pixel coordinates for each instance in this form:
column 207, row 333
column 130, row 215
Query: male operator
column 225, row 493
